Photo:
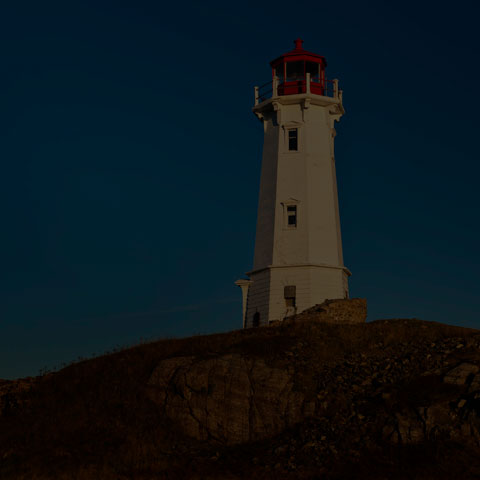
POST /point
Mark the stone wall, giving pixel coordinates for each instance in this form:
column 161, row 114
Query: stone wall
column 340, row 311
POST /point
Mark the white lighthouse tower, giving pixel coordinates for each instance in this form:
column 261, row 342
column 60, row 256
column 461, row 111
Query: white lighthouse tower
column 298, row 259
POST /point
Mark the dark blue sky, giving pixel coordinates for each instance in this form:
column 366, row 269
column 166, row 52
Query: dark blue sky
column 131, row 159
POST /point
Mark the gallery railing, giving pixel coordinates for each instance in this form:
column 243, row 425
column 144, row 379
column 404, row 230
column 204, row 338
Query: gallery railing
column 315, row 85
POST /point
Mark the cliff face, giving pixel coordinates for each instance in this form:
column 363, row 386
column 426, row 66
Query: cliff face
column 387, row 399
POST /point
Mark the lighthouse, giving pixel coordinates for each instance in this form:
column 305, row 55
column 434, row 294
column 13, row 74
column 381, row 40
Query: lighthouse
column 298, row 260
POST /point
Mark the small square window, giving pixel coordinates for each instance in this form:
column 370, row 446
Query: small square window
column 293, row 139
column 292, row 215
column 290, row 293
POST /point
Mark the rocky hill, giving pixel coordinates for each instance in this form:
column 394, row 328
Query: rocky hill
column 305, row 399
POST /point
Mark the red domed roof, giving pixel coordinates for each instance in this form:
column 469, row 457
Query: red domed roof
column 298, row 53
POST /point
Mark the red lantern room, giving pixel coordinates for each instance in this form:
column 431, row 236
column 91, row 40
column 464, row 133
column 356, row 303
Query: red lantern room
column 293, row 69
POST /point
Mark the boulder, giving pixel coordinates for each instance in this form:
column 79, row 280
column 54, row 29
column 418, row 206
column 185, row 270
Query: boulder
column 231, row 398
column 461, row 374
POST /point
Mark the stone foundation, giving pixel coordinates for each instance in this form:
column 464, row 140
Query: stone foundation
column 340, row 311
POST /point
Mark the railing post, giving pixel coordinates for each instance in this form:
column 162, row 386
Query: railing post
column 256, row 95
column 275, row 87
column 335, row 88
column 307, row 89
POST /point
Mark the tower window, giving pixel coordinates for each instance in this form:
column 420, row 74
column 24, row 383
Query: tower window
column 256, row 319
column 314, row 70
column 293, row 139
column 292, row 215
column 279, row 72
column 290, row 293
column 295, row 71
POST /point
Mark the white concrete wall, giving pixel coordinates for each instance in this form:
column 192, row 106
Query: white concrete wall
column 327, row 283
column 309, row 177
column 267, row 196
column 313, row 284
column 258, row 297
column 280, row 278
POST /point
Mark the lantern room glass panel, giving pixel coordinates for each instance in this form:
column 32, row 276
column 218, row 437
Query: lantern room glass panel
column 280, row 72
column 314, row 70
column 295, row 71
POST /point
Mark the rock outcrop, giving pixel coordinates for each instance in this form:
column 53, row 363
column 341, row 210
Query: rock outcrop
column 230, row 398
column 236, row 398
